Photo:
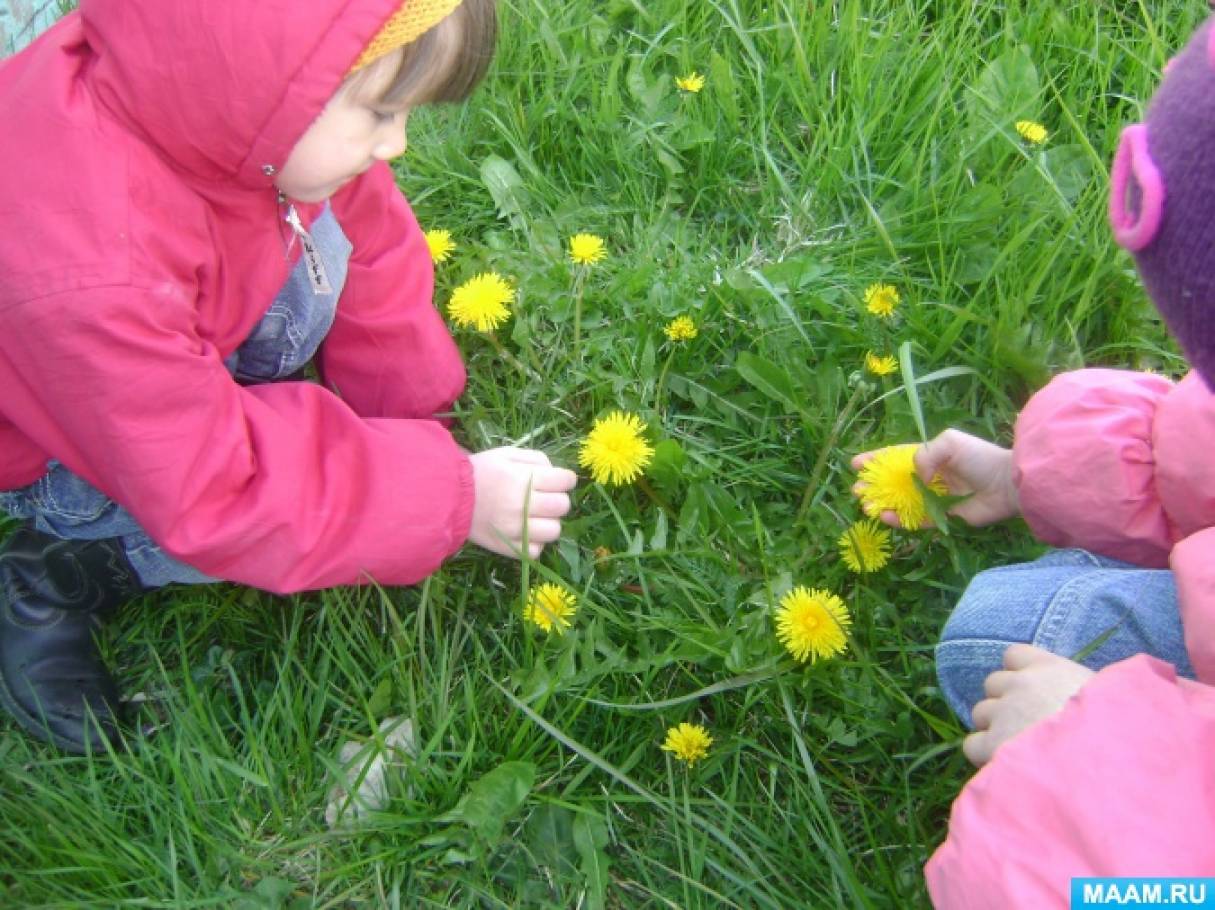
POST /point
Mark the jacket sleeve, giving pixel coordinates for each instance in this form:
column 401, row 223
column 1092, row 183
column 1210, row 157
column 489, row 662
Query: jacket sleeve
column 389, row 353
column 1084, row 465
column 1118, row 783
column 281, row 486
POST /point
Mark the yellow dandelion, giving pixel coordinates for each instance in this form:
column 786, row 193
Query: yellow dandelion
column 601, row 553
column 681, row 328
column 880, row 365
column 440, row 244
column 688, row 742
column 482, row 302
column 587, row 249
column 615, row 450
column 550, row 607
column 889, row 485
column 1031, row 131
column 881, row 300
column 811, row 623
column 865, row 547
column 693, row 82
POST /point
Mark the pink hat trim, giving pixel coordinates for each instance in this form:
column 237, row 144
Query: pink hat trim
column 1133, row 158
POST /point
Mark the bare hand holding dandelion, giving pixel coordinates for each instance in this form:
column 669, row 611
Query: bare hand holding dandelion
column 964, row 465
column 514, row 488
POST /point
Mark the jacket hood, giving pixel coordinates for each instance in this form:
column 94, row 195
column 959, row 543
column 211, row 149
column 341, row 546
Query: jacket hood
column 224, row 88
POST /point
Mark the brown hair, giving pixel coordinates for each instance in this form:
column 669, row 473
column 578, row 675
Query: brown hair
column 445, row 64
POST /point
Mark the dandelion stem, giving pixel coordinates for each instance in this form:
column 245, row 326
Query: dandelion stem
column 820, row 464
column 649, row 491
column 508, row 356
column 579, row 286
column 662, row 378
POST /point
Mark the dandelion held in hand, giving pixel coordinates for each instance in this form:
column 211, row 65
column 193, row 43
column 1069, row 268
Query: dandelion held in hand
column 865, row 547
column 811, row 623
column 880, row 365
column 888, row 481
column 681, row 328
column 587, row 249
column 615, row 450
column 1031, row 131
column 688, row 742
column 440, row 244
column 881, row 300
column 693, row 82
column 482, row 302
column 550, row 607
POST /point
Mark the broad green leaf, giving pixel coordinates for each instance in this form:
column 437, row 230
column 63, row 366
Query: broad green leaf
column 494, row 799
column 550, row 837
column 1006, row 91
column 590, row 840
column 723, row 87
column 769, row 379
column 506, row 188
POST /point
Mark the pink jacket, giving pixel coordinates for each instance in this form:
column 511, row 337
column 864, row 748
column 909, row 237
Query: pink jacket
column 142, row 241
column 1122, row 781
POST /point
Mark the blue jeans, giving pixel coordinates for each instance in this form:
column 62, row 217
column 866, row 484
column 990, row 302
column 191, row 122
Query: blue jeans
column 286, row 338
column 1069, row 602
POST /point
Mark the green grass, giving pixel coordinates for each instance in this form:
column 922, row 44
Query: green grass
column 834, row 145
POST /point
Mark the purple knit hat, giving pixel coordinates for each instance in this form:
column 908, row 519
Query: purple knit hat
column 1162, row 199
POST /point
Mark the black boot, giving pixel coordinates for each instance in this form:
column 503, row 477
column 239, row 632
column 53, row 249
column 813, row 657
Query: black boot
column 53, row 595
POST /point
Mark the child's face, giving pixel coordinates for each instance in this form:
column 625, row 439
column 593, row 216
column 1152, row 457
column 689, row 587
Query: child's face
column 352, row 133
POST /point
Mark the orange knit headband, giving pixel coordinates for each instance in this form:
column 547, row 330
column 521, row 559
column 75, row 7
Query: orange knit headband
column 410, row 22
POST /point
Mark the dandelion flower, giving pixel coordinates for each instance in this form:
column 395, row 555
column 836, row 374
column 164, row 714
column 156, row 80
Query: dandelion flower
column 614, row 450
column 482, row 302
column 693, row 82
column 688, row 742
column 880, row 366
column 865, row 547
column 681, row 328
column 881, row 300
column 889, row 484
column 811, row 623
column 587, row 249
column 440, row 244
column 1031, row 131
column 550, row 607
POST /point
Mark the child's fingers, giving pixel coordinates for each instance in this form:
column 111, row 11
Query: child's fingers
column 1019, row 657
column 548, row 505
column 554, row 480
column 543, row 530
column 998, row 683
column 983, row 713
column 529, row 456
column 859, row 459
column 977, row 748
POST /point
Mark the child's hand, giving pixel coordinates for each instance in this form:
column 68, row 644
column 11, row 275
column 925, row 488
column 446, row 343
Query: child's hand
column 508, row 481
column 967, row 465
column 1033, row 685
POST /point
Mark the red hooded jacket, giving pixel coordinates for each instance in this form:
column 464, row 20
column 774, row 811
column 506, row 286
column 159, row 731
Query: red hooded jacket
column 143, row 240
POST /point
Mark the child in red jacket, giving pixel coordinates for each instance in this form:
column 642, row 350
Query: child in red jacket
column 196, row 204
column 1088, row 676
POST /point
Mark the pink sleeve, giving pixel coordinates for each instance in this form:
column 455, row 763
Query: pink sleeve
column 281, row 486
column 389, row 353
column 1084, row 465
column 1119, row 783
